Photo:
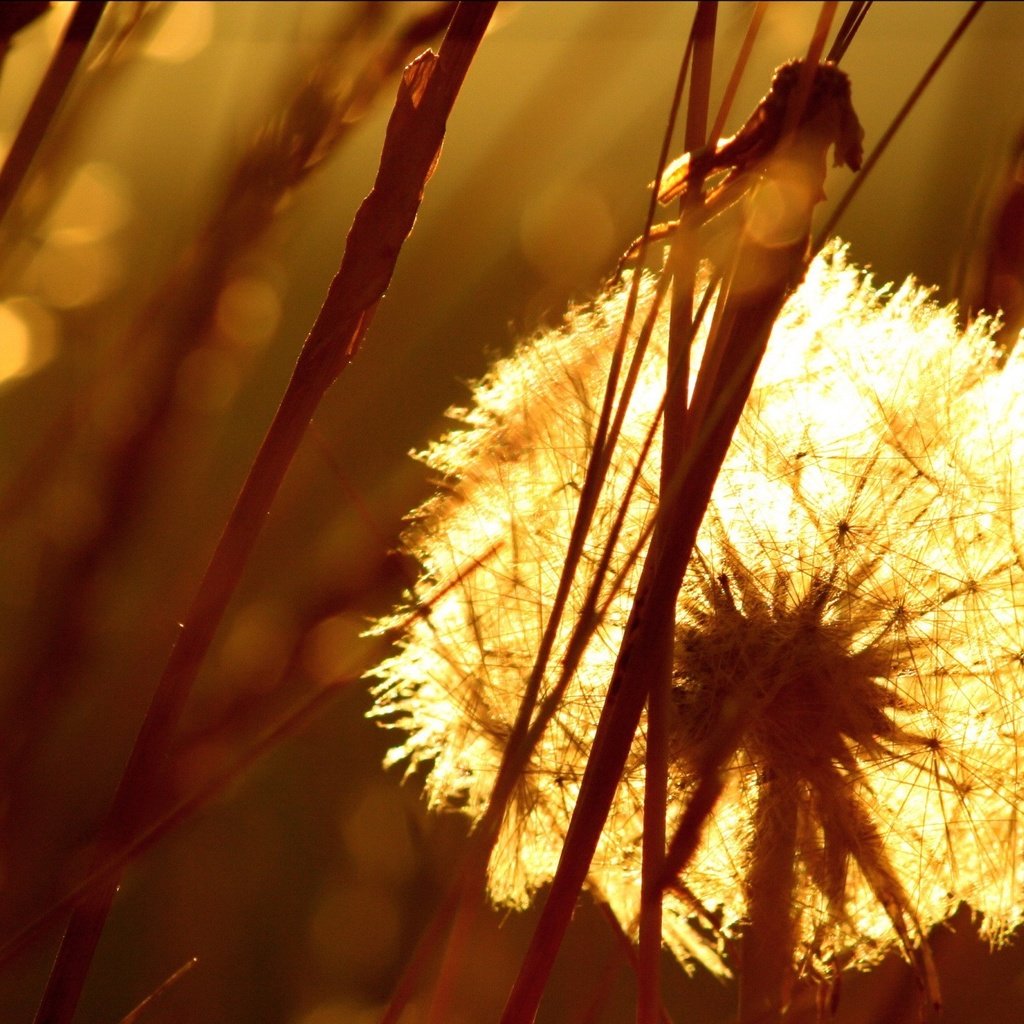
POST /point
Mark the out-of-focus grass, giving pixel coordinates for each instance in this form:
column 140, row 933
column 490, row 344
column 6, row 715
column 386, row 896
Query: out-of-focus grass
column 302, row 890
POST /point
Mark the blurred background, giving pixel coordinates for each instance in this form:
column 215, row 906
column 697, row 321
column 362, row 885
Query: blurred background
column 159, row 269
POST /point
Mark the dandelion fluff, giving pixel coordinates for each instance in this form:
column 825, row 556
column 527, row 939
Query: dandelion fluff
column 853, row 603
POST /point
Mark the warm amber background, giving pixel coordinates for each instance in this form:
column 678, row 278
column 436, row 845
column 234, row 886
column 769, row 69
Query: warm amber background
column 302, row 889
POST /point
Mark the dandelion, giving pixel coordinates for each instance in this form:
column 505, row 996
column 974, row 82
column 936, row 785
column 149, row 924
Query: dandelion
column 849, row 617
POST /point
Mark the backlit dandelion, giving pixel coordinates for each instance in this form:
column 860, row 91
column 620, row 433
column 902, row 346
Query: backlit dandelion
column 850, row 615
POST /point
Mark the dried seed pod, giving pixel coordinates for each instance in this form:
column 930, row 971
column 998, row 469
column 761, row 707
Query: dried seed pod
column 826, row 117
column 849, row 620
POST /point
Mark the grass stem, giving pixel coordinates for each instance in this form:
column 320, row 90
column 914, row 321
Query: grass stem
column 411, row 147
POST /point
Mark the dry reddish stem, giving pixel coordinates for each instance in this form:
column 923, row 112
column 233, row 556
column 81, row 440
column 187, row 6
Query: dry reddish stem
column 48, row 99
column 681, row 334
column 411, row 148
column 175, row 322
column 649, row 634
column 764, row 273
column 292, row 722
column 940, row 58
column 147, row 1004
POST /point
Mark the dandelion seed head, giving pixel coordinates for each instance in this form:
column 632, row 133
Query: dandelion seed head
column 851, row 618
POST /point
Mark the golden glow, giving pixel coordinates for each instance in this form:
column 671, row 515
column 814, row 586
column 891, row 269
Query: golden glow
column 59, row 14
column 248, row 310
column 332, row 652
column 28, row 338
column 186, row 30
column 78, row 262
column 71, row 276
column 854, row 589
column 94, row 205
column 15, row 343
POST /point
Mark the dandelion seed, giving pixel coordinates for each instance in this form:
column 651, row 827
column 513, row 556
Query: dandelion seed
column 851, row 620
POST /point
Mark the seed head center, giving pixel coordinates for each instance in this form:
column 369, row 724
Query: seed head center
column 783, row 678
